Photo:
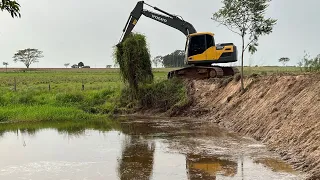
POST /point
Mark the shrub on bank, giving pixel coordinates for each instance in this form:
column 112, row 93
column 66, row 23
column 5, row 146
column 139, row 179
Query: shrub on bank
column 161, row 96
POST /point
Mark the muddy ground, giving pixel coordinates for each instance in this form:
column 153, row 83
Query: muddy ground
column 280, row 111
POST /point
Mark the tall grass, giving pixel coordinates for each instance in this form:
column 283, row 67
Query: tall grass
column 73, row 105
column 66, row 100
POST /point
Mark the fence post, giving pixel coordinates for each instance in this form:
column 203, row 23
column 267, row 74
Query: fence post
column 82, row 86
column 15, row 84
column 49, row 86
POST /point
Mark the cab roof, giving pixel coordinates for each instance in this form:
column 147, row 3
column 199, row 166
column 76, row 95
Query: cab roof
column 201, row 33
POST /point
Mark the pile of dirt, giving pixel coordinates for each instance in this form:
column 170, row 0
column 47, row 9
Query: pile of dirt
column 281, row 111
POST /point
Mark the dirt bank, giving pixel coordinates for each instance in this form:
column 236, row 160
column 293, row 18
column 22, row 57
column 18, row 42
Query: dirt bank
column 281, row 111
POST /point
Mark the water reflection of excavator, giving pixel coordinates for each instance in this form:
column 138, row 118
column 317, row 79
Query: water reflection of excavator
column 206, row 168
column 201, row 50
column 138, row 156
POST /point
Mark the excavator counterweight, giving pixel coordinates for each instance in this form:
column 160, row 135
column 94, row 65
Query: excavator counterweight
column 200, row 48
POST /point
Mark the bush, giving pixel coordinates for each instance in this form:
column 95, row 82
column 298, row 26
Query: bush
column 160, row 96
column 310, row 64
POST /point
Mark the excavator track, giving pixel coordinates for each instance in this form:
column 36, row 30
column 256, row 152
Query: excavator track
column 203, row 72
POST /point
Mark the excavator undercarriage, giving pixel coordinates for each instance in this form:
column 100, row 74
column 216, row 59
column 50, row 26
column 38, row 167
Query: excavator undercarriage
column 203, row 72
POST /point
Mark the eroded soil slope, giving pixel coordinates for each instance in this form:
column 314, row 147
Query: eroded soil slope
column 281, row 111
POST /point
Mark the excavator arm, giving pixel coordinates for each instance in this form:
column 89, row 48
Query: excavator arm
column 168, row 19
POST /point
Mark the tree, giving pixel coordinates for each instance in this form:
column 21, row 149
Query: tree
column 245, row 17
column 174, row 59
column 6, row 64
column 156, row 60
column 284, row 60
column 66, row 65
column 80, row 64
column 11, row 6
column 28, row 56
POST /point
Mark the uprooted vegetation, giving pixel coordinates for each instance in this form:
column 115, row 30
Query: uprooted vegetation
column 141, row 92
column 133, row 57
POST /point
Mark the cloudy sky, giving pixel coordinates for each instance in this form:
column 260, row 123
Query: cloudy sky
column 69, row 31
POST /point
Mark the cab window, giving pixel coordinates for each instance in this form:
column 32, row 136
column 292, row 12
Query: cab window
column 197, row 45
column 209, row 41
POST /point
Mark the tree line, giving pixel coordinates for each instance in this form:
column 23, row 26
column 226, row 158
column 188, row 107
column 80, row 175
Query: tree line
column 174, row 59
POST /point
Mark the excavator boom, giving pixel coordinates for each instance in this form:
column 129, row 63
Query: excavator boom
column 168, row 19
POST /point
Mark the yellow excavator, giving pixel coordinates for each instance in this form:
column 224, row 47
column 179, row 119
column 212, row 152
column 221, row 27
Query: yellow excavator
column 200, row 48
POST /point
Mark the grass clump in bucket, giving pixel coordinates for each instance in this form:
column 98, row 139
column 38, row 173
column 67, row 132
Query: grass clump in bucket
column 133, row 57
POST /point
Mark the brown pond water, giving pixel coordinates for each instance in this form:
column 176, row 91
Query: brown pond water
column 155, row 149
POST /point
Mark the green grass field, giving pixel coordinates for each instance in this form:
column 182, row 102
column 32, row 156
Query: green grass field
column 66, row 100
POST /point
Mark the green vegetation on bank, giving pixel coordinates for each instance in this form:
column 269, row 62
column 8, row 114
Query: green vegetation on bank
column 163, row 96
column 65, row 100
column 104, row 93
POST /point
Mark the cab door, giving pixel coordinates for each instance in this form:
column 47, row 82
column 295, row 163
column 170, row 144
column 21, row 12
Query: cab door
column 211, row 49
column 197, row 48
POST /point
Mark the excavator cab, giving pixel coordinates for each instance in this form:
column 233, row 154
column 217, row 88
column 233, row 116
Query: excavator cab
column 201, row 50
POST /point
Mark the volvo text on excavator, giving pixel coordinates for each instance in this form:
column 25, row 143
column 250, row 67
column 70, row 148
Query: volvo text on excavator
column 200, row 48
